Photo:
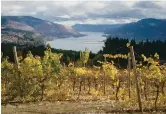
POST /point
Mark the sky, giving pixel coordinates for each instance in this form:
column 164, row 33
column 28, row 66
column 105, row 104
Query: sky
column 86, row 12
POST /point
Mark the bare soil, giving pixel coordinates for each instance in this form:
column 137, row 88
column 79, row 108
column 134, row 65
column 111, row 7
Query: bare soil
column 72, row 107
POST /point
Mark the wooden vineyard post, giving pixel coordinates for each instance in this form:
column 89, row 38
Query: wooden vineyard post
column 136, row 77
column 6, row 88
column 17, row 68
column 129, row 77
column 104, row 81
column 15, row 57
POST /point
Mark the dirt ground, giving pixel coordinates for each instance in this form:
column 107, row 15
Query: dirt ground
column 70, row 107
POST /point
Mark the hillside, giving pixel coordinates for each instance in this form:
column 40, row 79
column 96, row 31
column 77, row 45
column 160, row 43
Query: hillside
column 43, row 27
column 21, row 37
column 149, row 28
column 94, row 27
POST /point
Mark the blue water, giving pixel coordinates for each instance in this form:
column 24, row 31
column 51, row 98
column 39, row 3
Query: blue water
column 93, row 41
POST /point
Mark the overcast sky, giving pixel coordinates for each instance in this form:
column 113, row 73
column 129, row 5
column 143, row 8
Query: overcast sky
column 72, row 12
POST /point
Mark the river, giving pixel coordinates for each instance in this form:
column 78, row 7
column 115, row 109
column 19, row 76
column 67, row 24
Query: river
column 94, row 41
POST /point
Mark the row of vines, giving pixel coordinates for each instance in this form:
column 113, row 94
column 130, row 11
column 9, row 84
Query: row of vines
column 46, row 78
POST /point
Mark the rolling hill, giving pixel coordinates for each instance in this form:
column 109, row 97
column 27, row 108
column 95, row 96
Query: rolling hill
column 94, row 27
column 148, row 28
column 21, row 37
column 37, row 26
column 152, row 29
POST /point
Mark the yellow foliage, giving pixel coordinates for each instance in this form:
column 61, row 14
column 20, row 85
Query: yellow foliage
column 95, row 92
column 110, row 70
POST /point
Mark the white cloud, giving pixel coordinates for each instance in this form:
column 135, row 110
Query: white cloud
column 41, row 8
column 17, row 7
column 64, row 16
column 71, row 12
column 98, row 21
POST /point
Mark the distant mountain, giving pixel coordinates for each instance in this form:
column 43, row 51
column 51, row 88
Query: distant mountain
column 94, row 27
column 39, row 26
column 149, row 28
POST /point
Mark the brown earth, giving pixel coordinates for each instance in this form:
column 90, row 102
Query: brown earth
column 72, row 107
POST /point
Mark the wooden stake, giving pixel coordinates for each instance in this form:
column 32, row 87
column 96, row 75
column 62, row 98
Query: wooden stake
column 136, row 78
column 104, row 81
column 129, row 69
column 15, row 57
column 17, row 69
column 6, row 87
